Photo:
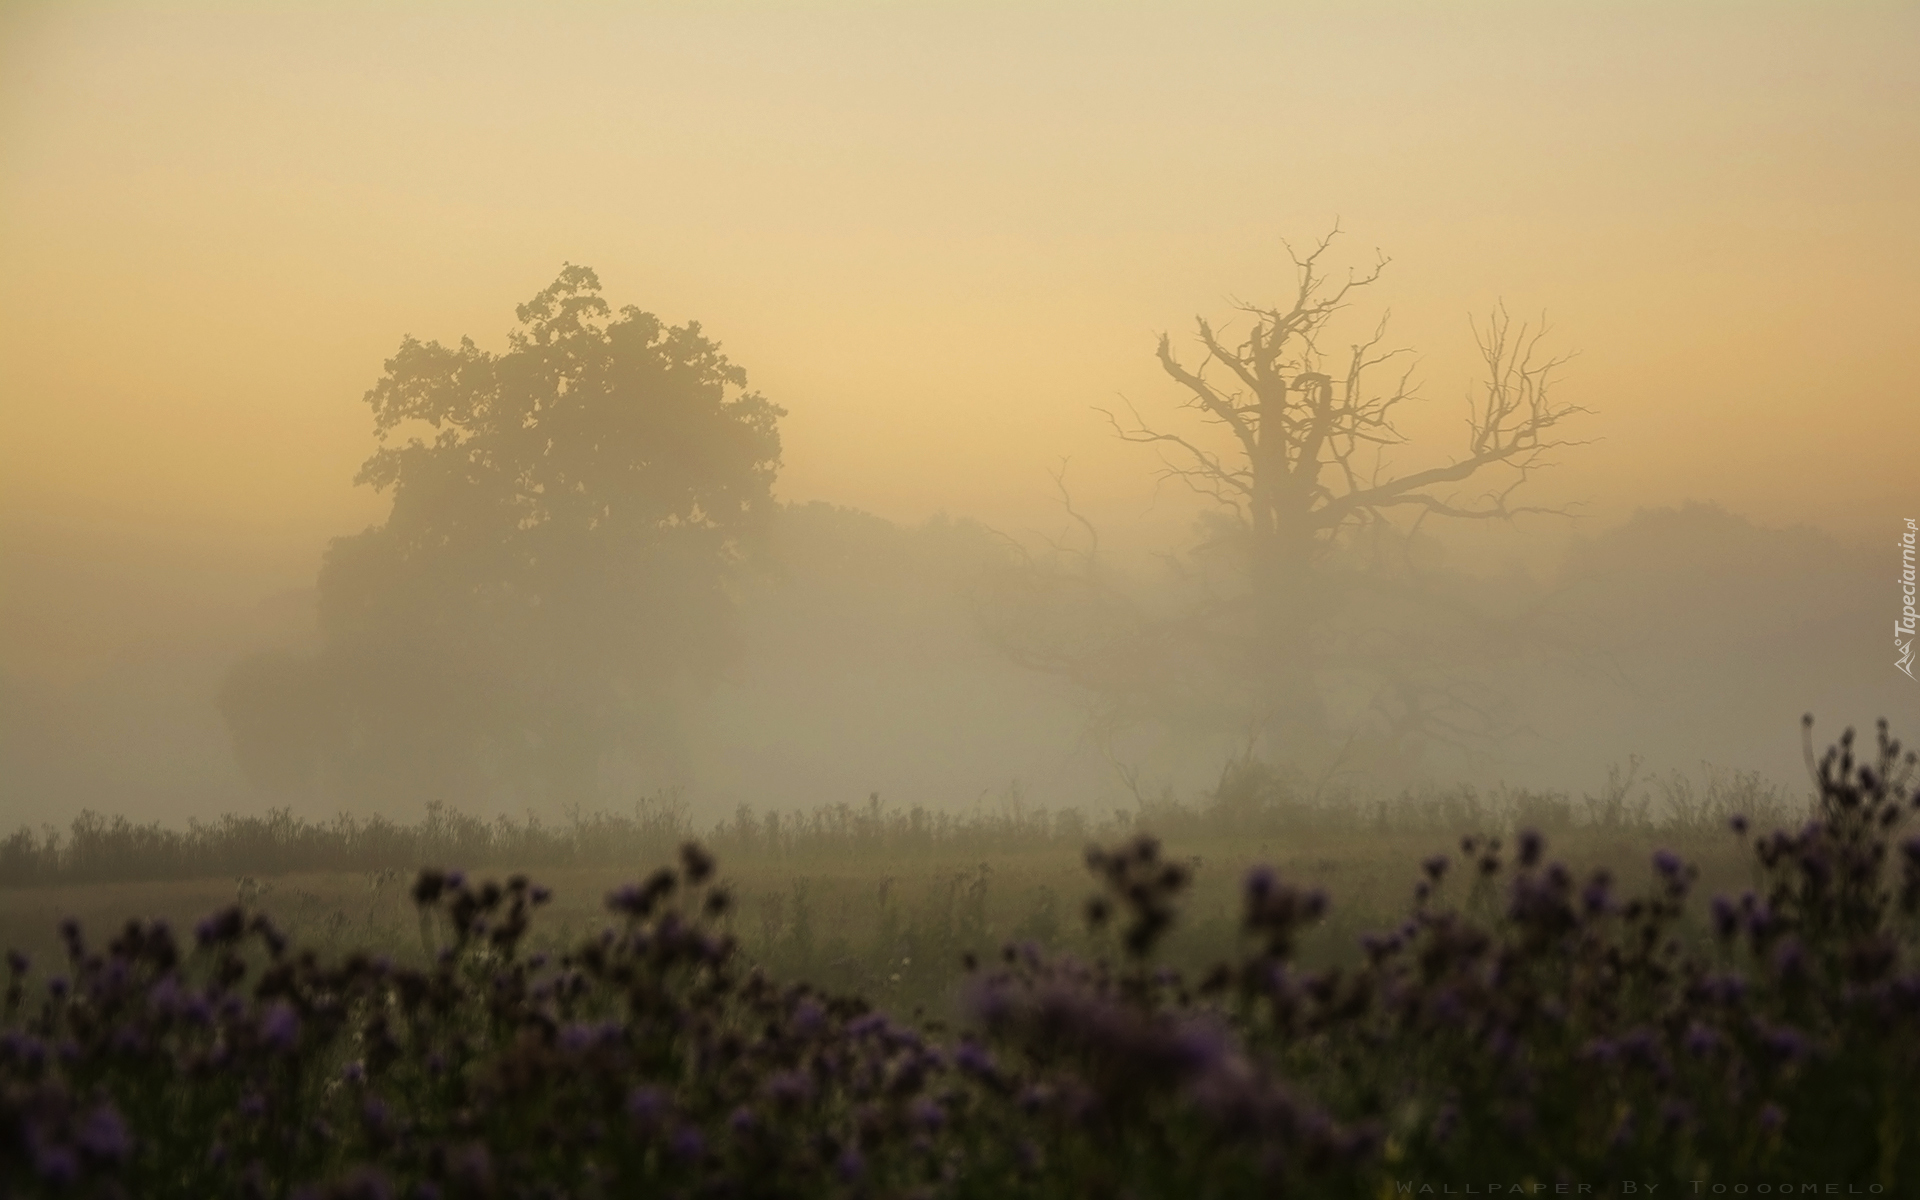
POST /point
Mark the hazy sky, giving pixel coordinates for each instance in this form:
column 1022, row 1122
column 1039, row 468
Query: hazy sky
column 937, row 233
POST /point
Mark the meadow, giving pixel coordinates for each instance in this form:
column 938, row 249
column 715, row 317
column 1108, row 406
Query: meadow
column 865, row 898
column 1263, row 992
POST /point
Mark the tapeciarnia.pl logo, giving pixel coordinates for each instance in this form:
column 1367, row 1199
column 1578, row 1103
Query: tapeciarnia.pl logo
column 1903, row 625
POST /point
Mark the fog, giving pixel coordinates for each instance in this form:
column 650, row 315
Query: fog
column 938, row 240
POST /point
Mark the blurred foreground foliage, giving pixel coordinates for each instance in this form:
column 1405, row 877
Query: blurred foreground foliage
column 1522, row 1023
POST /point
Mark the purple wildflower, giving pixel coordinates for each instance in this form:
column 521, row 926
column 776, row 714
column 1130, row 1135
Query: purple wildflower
column 1790, row 959
column 687, row 1144
column 1200, row 1046
column 280, row 1026
column 56, row 1164
column 808, row 1017
column 647, row 1105
column 1033, row 1098
column 627, row 898
column 927, row 1113
column 164, row 996
column 223, row 926
column 1260, row 882
column 1726, row 918
column 987, row 1000
column 790, row 1089
column 1701, row 1040
column 1597, row 896
column 973, row 1058
column 28, row 1051
column 1313, row 905
column 1786, row 1042
column 850, row 1165
column 103, row 1134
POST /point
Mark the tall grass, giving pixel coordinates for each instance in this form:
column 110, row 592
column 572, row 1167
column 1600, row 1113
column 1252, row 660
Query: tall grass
column 1253, row 799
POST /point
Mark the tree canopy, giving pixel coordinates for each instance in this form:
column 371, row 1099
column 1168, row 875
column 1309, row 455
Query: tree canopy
column 566, row 516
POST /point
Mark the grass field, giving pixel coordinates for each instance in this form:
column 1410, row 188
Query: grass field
column 1353, row 999
column 891, row 926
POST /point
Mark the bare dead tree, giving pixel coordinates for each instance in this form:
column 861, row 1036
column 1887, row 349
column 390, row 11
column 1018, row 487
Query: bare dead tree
column 1306, row 464
column 1297, row 473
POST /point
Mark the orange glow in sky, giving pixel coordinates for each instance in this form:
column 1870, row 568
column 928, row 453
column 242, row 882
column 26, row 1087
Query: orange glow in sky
column 939, row 235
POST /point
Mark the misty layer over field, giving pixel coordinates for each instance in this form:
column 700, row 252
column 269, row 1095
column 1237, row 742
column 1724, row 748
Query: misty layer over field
column 861, row 665
column 586, row 598
column 987, row 410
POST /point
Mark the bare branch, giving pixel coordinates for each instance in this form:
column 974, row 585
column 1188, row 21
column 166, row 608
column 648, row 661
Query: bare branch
column 1221, row 407
column 1207, row 466
column 1066, row 502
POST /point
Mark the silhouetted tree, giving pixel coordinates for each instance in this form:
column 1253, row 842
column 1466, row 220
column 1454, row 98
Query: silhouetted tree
column 1303, row 584
column 565, row 517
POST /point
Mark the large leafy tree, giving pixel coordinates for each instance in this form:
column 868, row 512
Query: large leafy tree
column 566, row 517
